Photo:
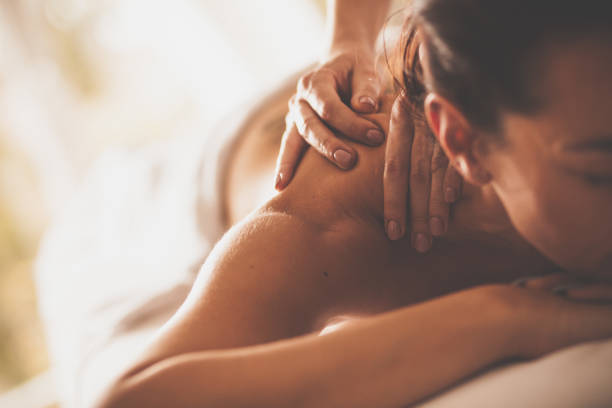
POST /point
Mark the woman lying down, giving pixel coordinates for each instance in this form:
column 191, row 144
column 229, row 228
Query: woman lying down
column 306, row 303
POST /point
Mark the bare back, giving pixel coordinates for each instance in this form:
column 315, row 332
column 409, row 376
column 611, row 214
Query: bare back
column 315, row 253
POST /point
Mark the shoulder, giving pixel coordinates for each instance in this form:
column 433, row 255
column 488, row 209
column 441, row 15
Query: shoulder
column 304, row 251
column 324, row 194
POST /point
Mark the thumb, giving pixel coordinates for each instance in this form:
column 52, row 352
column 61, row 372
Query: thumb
column 365, row 89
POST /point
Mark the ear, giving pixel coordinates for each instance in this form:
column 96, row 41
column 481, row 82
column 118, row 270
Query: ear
column 461, row 143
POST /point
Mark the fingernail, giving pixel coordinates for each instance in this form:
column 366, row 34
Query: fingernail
column 562, row 290
column 366, row 100
column 421, row 243
column 375, row 136
column 394, row 232
column 279, row 181
column 343, row 158
column 436, row 225
column 450, row 195
column 521, row 282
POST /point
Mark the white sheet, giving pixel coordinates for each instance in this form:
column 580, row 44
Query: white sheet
column 576, row 377
column 122, row 258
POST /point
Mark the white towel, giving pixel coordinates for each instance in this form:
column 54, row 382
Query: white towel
column 123, row 255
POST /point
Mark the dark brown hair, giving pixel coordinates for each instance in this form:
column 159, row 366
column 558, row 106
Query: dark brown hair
column 482, row 53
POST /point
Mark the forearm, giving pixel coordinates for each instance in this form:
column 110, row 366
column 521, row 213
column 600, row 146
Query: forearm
column 355, row 22
column 388, row 360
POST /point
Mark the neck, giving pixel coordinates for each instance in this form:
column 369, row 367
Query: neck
column 479, row 211
column 479, row 215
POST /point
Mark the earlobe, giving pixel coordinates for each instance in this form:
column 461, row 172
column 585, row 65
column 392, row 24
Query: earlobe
column 432, row 113
column 457, row 138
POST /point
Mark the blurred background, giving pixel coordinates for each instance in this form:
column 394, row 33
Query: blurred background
column 80, row 76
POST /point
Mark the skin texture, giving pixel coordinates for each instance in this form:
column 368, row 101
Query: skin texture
column 553, row 169
column 318, row 252
column 347, row 73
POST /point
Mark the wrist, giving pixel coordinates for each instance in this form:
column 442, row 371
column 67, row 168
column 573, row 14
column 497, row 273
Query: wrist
column 509, row 320
column 345, row 44
column 355, row 23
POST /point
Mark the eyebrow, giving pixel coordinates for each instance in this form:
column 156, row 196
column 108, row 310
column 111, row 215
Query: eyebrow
column 603, row 143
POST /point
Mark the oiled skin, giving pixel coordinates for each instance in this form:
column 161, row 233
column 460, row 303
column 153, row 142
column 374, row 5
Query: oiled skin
column 318, row 251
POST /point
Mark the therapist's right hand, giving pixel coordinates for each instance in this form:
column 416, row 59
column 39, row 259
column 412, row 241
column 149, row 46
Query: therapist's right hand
column 331, row 96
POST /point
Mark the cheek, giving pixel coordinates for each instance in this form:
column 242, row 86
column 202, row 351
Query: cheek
column 576, row 225
column 562, row 217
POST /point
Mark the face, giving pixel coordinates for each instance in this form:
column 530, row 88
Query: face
column 553, row 174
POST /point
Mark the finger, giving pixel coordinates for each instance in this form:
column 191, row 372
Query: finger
column 547, row 282
column 322, row 138
column 397, row 168
column 365, row 89
column 453, row 183
column 291, row 150
column 438, row 207
column 420, row 187
column 322, row 95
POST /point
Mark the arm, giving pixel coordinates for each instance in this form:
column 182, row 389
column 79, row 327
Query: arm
column 355, row 23
column 390, row 360
column 393, row 359
column 265, row 282
column 252, row 294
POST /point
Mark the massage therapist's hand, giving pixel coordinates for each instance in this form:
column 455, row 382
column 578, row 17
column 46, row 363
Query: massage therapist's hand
column 417, row 176
column 413, row 162
column 331, row 94
column 318, row 105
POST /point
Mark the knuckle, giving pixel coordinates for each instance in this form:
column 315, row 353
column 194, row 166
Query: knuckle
column 327, row 146
column 396, row 111
column 292, row 102
column 320, row 77
column 309, row 123
column 420, row 222
column 395, row 168
column 439, row 161
column 438, row 208
column 401, row 106
column 327, row 111
column 420, row 173
column 402, row 125
column 453, row 178
column 305, row 81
